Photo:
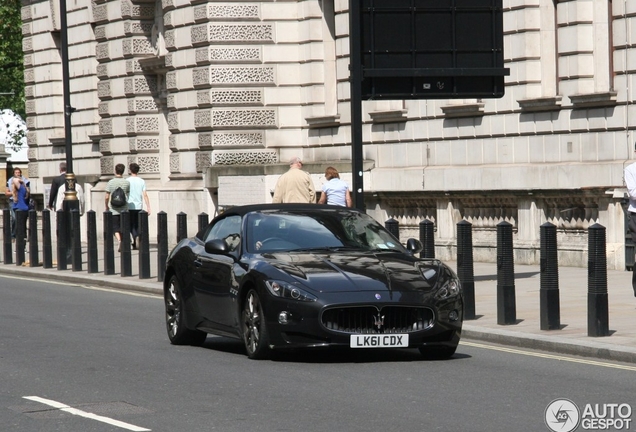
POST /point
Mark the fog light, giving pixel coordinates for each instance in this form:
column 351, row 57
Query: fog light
column 283, row 317
column 453, row 316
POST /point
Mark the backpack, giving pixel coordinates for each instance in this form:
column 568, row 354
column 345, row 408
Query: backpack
column 118, row 198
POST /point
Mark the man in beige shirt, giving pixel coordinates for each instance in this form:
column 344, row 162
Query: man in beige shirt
column 295, row 186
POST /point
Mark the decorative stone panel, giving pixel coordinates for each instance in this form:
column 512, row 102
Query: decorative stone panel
column 168, row 60
column 171, row 80
column 262, row 118
column 148, row 164
column 103, row 90
column 246, row 33
column 231, row 140
column 29, row 76
column 201, row 77
column 29, row 91
column 226, row 12
column 104, row 146
column 203, row 160
column 34, row 169
column 27, row 45
column 167, row 4
column 106, row 127
column 32, row 154
column 263, row 157
column 133, row 67
column 142, row 105
column 103, row 109
column 28, row 60
column 137, row 46
column 31, row 122
column 167, row 20
column 228, row 55
column 246, row 75
column 32, row 139
column 219, row 97
column 26, row 29
column 100, row 13
column 140, row 85
column 107, row 165
column 138, row 28
column 173, row 121
column 142, row 125
column 172, row 142
column 175, row 163
column 143, row 144
column 102, row 70
column 170, row 101
column 168, row 38
column 29, row 106
column 102, row 52
column 25, row 13
column 135, row 11
column 100, row 33
column 203, row 119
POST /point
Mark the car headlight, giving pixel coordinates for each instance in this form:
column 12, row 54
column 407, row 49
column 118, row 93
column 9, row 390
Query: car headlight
column 288, row 291
column 450, row 289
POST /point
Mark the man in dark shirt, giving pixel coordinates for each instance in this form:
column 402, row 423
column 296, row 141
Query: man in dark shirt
column 56, row 184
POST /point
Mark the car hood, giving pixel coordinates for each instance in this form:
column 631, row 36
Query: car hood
column 357, row 271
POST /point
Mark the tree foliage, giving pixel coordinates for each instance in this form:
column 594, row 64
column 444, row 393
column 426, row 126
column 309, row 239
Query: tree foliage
column 11, row 57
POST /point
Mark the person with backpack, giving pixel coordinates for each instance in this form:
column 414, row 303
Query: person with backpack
column 116, row 200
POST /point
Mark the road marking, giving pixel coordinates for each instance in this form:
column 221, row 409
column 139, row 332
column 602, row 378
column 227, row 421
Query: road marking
column 550, row 356
column 88, row 415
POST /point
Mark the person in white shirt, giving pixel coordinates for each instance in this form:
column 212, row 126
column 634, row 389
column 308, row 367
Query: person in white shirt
column 136, row 198
column 630, row 182
column 335, row 191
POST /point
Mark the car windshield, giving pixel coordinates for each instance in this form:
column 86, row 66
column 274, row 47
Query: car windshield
column 317, row 230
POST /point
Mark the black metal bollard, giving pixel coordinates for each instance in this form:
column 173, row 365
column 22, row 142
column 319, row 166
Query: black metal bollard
column 427, row 237
column 47, row 246
column 76, row 239
column 465, row 266
column 182, row 226
column 125, row 256
column 597, row 299
column 550, row 312
column 20, row 236
column 162, row 244
column 393, row 227
column 109, row 252
column 203, row 220
column 506, row 301
column 61, row 239
column 34, row 258
column 144, row 246
column 6, row 231
column 91, row 239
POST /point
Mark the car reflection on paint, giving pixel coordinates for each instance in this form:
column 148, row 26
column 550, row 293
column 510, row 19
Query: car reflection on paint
column 302, row 276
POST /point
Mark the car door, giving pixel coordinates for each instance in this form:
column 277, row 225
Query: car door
column 215, row 280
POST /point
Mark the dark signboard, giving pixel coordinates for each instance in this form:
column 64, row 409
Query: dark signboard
column 432, row 49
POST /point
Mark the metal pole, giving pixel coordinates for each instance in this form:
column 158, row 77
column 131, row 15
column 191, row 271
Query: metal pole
column 355, row 80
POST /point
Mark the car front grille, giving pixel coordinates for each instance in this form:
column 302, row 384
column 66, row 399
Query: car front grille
column 376, row 320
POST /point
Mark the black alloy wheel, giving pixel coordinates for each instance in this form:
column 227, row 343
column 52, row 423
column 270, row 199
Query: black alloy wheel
column 254, row 328
column 175, row 317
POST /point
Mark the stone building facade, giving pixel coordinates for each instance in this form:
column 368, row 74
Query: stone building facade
column 211, row 98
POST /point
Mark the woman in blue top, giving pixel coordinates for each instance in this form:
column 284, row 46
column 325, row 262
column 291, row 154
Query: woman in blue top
column 19, row 192
column 335, row 191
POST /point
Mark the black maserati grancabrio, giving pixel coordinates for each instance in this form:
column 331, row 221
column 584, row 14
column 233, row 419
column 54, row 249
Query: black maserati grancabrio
column 291, row 276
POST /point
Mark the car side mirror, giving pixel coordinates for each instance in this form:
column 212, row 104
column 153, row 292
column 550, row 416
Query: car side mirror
column 414, row 246
column 218, row 246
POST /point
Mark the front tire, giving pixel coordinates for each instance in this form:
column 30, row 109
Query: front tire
column 255, row 334
column 178, row 333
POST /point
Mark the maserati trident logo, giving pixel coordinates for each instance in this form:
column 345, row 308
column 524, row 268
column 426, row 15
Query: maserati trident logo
column 378, row 321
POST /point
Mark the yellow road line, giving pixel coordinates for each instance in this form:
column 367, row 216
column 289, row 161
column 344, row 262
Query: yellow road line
column 549, row 356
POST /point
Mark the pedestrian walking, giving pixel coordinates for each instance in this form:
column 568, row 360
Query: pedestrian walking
column 17, row 174
column 295, row 186
column 630, row 182
column 57, row 183
column 114, row 201
column 136, row 199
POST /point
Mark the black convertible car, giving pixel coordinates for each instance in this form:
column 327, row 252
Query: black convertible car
column 304, row 276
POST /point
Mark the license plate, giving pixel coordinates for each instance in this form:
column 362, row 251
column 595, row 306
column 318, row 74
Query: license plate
column 379, row 341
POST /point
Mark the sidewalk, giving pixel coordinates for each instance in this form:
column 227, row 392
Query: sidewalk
column 571, row 339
